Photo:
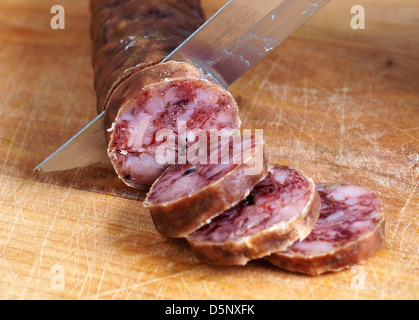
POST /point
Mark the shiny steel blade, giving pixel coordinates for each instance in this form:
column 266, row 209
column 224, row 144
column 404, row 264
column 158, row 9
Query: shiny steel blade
column 242, row 33
column 85, row 148
column 232, row 41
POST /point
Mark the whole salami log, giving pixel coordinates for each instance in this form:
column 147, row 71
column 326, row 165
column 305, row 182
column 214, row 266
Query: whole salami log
column 141, row 97
column 129, row 35
column 279, row 210
column 187, row 196
column 349, row 231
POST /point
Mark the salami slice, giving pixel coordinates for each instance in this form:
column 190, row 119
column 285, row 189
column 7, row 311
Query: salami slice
column 187, row 196
column 129, row 35
column 349, row 231
column 156, row 98
column 279, row 210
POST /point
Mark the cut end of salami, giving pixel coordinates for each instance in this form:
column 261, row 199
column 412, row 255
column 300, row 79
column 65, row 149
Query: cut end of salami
column 156, row 98
column 189, row 195
column 279, row 210
column 350, row 230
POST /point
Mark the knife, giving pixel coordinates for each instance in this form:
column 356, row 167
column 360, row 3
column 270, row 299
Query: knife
column 232, row 41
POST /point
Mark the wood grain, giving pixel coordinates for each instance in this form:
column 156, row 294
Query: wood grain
column 340, row 104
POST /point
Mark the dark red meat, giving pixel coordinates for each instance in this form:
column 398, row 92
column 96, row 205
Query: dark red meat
column 156, row 98
column 187, row 196
column 279, row 210
column 349, row 231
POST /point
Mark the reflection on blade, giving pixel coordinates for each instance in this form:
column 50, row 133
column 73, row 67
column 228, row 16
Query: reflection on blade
column 85, row 148
column 242, row 33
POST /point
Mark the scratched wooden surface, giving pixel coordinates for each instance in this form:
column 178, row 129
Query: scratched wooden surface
column 340, row 104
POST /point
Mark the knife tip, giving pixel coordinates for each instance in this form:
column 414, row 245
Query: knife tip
column 37, row 169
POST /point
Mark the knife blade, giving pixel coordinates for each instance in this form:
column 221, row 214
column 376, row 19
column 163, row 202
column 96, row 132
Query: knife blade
column 232, row 41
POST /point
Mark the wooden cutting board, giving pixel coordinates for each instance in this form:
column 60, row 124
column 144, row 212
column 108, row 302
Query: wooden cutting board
column 338, row 103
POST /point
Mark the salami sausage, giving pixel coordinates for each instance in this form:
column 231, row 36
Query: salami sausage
column 279, row 210
column 349, row 231
column 141, row 96
column 157, row 98
column 129, row 35
column 187, row 196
